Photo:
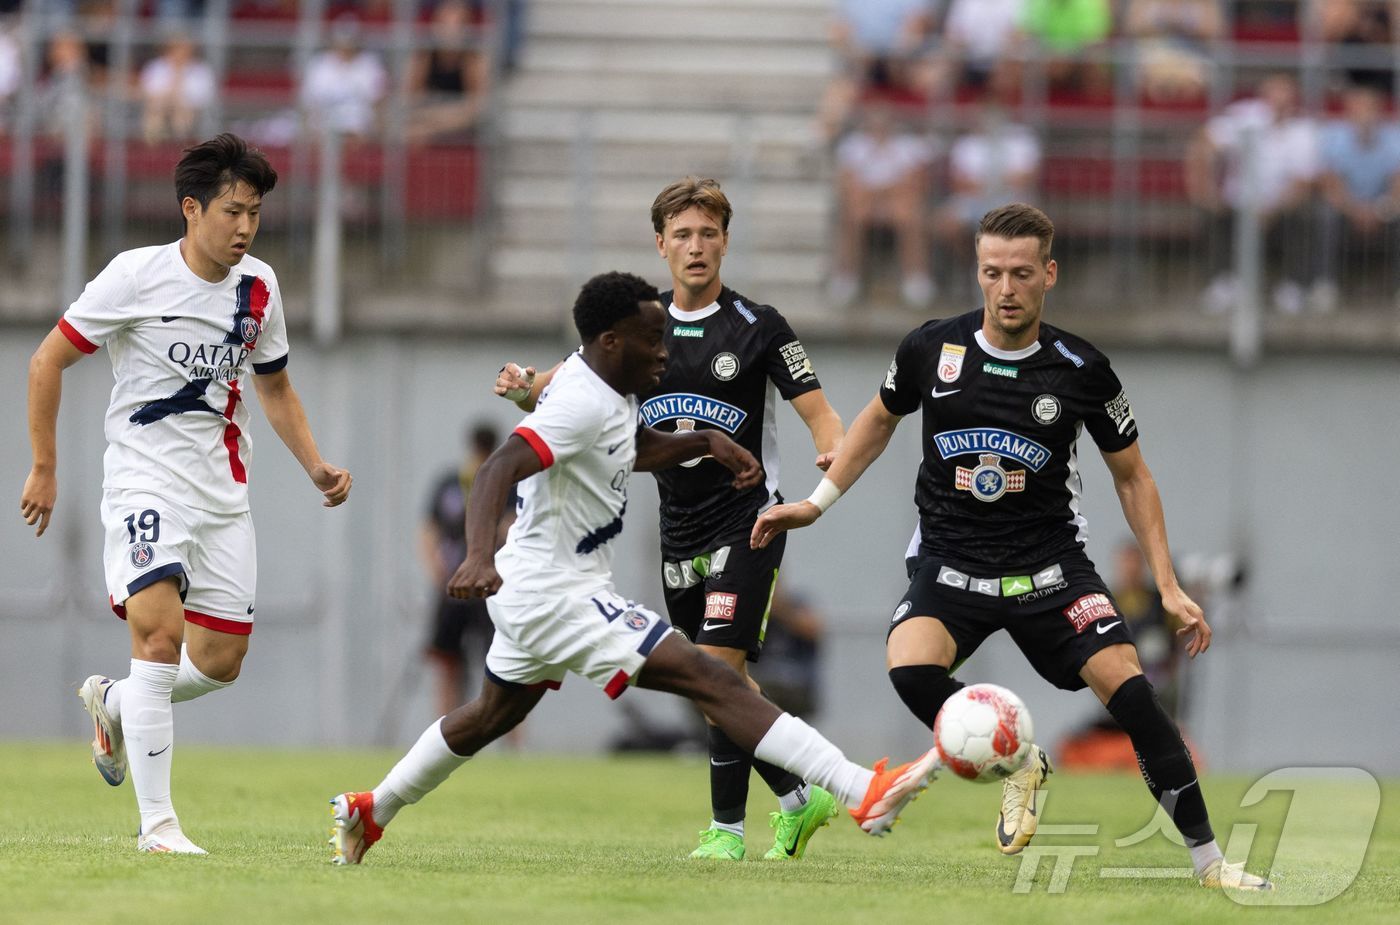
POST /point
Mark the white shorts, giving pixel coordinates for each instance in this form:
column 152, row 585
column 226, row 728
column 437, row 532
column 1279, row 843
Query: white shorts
column 541, row 636
column 214, row 556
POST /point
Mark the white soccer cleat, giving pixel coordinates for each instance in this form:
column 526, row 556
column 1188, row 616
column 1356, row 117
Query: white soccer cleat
column 891, row 791
column 353, row 828
column 1019, row 813
column 108, row 747
column 1220, row 875
column 167, row 840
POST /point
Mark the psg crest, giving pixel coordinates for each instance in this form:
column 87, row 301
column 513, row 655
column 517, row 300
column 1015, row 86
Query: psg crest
column 142, row 555
column 248, row 329
column 635, row 621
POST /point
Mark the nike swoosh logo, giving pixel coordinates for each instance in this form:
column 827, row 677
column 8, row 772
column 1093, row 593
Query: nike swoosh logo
column 711, row 625
column 169, row 318
column 937, row 394
column 161, row 752
column 250, row 608
column 615, row 447
column 1177, row 791
column 1102, row 628
column 723, row 764
column 1002, row 835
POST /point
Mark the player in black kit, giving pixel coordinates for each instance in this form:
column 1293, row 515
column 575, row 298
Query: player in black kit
column 727, row 357
column 1000, row 541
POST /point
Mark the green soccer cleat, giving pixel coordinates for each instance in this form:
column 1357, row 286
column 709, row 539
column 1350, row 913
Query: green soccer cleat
column 792, row 831
column 719, row 845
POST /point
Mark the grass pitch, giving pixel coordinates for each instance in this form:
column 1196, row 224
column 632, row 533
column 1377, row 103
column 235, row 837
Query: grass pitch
column 551, row 839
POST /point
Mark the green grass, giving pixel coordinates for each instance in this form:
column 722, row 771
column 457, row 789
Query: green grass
column 550, row 839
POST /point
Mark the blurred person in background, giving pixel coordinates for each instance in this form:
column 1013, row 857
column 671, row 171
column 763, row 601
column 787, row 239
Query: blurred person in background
column 1360, row 193
column 1359, row 25
column 999, row 161
column 882, row 47
column 1174, row 46
column 344, row 84
column 883, row 175
column 184, row 323
column 176, row 87
column 11, row 71
column 979, row 42
column 1284, row 148
column 461, row 629
column 729, row 357
column 1066, row 30
column 449, row 83
column 790, row 672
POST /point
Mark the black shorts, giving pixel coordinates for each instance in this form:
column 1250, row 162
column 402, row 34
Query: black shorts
column 1058, row 615
column 721, row 598
column 459, row 625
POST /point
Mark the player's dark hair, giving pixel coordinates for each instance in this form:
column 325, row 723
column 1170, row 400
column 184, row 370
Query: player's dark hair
column 209, row 168
column 691, row 192
column 608, row 298
column 483, row 438
column 1018, row 220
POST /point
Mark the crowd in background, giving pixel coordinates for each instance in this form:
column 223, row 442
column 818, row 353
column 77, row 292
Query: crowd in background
column 1327, row 184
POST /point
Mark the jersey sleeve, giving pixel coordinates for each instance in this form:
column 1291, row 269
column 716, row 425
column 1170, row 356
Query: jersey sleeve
column 270, row 353
column 102, row 310
column 1108, row 415
column 786, row 361
column 900, row 390
column 563, row 424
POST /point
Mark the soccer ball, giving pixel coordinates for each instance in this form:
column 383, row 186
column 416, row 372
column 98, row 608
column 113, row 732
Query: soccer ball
column 983, row 733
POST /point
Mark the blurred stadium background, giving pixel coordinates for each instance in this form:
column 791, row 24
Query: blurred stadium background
column 414, row 261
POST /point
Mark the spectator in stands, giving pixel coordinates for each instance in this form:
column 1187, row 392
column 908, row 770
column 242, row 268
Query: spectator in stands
column 1173, row 46
column 790, row 671
column 1065, row 30
column 979, row 37
column 1359, row 25
column 175, row 88
column 1361, row 191
column 449, row 82
column 883, row 48
column 10, row 72
column 344, row 85
column 1283, row 146
column 180, row 11
column 996, row 163
column 882, row 181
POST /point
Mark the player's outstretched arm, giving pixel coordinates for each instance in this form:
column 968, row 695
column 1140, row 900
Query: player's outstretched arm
column 657, row 450
column 523, row 385
column 285, row 413
column 512, row 461
column 869, row 435
column 1142, row 507
column 55, row 354
column 824, row 423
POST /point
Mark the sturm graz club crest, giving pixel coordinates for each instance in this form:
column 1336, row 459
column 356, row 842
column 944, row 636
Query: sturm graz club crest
column 142, row 555
column 989, row 481
column 686, row 425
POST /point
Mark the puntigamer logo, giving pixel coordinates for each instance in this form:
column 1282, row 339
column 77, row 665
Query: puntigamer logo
column 687, row 405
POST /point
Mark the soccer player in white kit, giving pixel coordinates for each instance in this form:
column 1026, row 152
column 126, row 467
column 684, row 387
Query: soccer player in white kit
column 550, row 590
column 183, row 323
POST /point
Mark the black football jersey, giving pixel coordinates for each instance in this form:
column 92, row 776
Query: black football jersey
column 723, row 371
column 999, row 484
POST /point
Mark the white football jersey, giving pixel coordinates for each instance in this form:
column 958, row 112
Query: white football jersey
column 585, row 433
column 181, row 348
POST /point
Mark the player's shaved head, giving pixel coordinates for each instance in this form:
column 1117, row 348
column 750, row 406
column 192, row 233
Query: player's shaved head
column 700, row 193
column 1018, row 220
column 607, row 299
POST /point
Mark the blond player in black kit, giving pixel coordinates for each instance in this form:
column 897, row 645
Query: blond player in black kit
column 729, row 358
column 1000, row 542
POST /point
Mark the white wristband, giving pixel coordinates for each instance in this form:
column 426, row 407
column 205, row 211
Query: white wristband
column 519, row 394
column 825, row 495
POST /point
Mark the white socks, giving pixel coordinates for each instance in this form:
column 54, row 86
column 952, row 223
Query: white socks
column 794, row 746
column 428, row 763
column 1203, row 855
column 149, row 726
column 789, row 802
column 189, row 684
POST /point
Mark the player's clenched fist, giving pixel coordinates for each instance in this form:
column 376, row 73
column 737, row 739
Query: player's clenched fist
column 334, row 483
column 475, row 577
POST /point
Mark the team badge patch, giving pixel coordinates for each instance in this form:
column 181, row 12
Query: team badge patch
column 685, row 425
column 725, row 366
column 720, row 605
column 249, row 329
column 890, row 375
column 1045, row 409
column 990, row 481
column 900, row 611
column 1121, row 411
column 950, row 362
column 799, row 367
column 142, row 555
column 635, row 621
column 1087, row 609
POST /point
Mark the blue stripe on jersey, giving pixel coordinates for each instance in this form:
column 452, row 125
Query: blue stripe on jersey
column 151, row 577
column 596, row 538
column 658, row 632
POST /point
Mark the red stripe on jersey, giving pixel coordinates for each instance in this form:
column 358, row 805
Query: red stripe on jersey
column 78, row 340
column 257, row 300
column 118, row 609
column 537, row 444
column 616, row 686
column 231, row 433
column 219, row 624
